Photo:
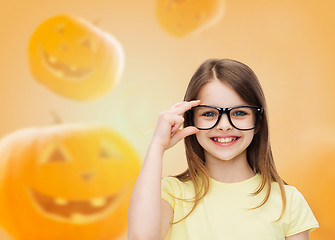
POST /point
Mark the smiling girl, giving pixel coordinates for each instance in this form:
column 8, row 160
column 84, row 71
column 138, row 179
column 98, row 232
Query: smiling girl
column 231, row 188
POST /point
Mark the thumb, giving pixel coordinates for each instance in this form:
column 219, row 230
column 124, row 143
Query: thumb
column 182, row 133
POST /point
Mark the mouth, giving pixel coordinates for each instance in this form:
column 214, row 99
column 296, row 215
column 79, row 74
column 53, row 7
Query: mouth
column 74, row 211
column 63, row 70
column 225, row 140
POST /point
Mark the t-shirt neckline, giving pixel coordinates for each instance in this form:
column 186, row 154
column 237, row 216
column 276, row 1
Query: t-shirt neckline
column 251, row 179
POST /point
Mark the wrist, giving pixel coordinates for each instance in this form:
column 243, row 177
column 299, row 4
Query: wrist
column 157, row 148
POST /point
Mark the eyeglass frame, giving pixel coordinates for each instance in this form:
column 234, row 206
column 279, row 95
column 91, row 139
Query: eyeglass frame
column 226, row 111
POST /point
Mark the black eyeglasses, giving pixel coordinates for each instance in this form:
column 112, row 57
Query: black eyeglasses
column 243, row 118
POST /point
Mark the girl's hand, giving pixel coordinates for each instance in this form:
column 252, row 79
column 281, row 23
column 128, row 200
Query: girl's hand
column 168, row 132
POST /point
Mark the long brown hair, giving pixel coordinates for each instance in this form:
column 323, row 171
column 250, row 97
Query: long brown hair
column 259, row 155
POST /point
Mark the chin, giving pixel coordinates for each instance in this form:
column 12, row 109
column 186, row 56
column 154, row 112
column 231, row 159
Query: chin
column 225, row 157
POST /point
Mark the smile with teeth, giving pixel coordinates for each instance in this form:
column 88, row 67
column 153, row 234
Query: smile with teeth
column 77, row 211
column 224, row 140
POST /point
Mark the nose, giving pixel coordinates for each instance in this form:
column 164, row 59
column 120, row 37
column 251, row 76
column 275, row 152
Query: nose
column 87, row 176
column 64, row 47
column 224, row 123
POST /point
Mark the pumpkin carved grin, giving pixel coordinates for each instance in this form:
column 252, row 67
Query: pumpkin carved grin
column 63, row 70
column 76, row 211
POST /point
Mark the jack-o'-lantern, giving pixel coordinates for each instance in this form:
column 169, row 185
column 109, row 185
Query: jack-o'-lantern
column 182, row 17
column 74, row 58
column 69, row 181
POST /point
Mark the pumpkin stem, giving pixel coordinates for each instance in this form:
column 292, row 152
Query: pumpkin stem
column 57, row 119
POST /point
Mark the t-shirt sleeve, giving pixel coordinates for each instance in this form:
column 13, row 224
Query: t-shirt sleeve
column 301, row 217
column 169, row 190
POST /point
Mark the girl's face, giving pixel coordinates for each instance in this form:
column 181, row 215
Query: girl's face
column 223, row 142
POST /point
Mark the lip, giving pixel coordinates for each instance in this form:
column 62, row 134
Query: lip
column 225, row 144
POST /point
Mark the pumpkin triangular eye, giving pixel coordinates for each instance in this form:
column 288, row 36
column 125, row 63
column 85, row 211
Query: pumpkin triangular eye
column 57, row 156
column 60, row 28
column 104, row 154
column 86, row 42
column 109, row 151
column 53, row 152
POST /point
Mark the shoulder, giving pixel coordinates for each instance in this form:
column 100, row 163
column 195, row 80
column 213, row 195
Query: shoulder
column 299, row 212
column 171, row 180
column 177, row 188
column 293, row 195
column 175, row 184
column 295, row 200
column 290, row 190
column 173, row 189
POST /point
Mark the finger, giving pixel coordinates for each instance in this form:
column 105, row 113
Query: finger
column 181, row 134
column 178, row 121
column 182, row 107
column 178, row 104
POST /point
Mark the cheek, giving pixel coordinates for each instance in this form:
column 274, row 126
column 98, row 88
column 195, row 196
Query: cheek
column 248, row 137
column 201, row 137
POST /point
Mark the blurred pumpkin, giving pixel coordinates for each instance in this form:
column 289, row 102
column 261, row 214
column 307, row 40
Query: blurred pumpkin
column 75, row 59
column 182, row 17
column 70, row 181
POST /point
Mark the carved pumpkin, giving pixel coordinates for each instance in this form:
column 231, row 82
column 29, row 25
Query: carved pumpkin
column 75, row 59
column 70, row 181
column 182, row 17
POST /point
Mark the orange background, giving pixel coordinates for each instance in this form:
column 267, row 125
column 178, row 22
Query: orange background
column 289, row 45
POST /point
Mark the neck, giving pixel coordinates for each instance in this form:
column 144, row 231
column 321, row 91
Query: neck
column 229, row 171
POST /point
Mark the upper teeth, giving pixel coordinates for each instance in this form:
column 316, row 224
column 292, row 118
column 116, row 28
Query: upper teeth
column 60, row 201
column 52, row 59
column 73, row 68
column 225, row 140
column 98, row 202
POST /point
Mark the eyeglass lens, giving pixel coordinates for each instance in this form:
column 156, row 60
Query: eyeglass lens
column 241, row 117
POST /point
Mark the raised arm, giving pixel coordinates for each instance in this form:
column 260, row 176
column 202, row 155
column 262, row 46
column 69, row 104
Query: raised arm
column 149, row 217
column 299, row 236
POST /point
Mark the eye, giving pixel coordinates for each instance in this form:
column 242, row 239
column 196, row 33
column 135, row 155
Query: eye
column 200, row 16
column 86, row 42
column 239, row 113
column 53, row 152
column 209, row 114
column 109, row 151
column 104, row 154
column 60, row 28
column 57, row 156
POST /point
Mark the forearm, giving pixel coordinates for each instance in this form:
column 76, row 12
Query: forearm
column 144, row 214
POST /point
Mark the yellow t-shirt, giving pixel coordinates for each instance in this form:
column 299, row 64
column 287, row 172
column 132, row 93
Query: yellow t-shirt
column 224, row 213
